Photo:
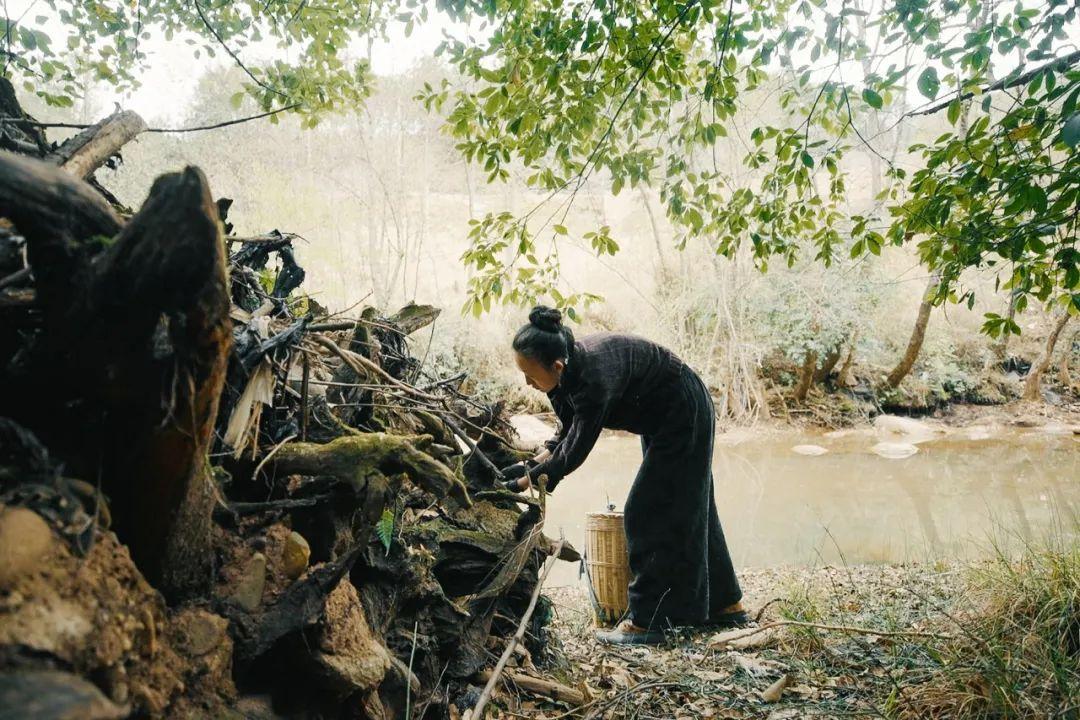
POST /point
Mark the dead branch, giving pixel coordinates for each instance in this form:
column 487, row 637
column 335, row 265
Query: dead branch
column 538, row 686
column 84, row 153
column 485, row 696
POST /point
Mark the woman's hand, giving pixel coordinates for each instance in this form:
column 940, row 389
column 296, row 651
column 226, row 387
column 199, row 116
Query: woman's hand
column 515, row 471
column 517, row 484
column 516, row 477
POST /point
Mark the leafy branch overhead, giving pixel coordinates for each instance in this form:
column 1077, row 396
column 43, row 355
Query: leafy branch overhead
column 661, row 94
column 645, row 93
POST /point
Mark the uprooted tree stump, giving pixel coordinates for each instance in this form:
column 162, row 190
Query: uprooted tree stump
column 123, row 376
column 349, row 573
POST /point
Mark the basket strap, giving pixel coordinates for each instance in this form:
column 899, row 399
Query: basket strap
column 583, row 569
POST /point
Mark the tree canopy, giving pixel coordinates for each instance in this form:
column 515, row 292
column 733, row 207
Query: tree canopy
column 632, row 93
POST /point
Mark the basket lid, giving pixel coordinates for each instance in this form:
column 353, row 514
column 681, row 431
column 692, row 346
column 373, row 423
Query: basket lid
column 606, row 514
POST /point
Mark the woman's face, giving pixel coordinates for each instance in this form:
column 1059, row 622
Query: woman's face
column 544, row 378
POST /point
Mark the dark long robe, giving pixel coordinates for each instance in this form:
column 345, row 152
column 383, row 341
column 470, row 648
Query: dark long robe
column 682, row 571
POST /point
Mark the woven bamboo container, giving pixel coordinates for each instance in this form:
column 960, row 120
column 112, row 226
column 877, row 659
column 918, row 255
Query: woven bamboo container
column 608, row 564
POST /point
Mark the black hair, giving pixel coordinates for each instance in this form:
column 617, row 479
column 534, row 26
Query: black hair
column 544, row 338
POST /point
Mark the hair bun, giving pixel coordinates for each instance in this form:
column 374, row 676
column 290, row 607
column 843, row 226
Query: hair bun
column 546, row 318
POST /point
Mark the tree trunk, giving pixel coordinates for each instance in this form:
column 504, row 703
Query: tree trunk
column 20, row 133
column 1064, row 373
column 806, row 377
column 647, row 204
column 828, row 364
column 1032, row 386
column 847, row 370
column 918, row 334
column 1001, row 350
column 132, row 351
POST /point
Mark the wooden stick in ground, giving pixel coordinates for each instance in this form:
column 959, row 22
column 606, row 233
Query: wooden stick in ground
column 539, row 686
column 304, row 387
column 478, row 710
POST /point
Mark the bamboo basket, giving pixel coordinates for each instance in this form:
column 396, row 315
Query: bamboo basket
column 608, row 565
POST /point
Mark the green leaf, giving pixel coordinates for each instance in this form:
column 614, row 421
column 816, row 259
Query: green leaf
column 929, row 84
column 807, row 159
column 872, row 99
column 1070, row 132
column 236, row 100
column 954, row 111
column 560, row 229
column 385, row 528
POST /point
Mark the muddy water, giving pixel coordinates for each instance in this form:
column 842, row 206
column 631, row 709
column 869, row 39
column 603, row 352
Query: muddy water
column 950, row 499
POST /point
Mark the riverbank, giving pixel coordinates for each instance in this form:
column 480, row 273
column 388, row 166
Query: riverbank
column 988, row 639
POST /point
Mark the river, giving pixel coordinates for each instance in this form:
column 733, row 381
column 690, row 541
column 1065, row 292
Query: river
column 962, row 491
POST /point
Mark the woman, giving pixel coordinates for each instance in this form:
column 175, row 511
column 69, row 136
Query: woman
column 682, row 573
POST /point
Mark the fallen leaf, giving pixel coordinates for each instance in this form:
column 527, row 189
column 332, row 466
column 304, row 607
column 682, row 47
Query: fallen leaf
column 709, row 675
column 756, row 667
column 773, row 693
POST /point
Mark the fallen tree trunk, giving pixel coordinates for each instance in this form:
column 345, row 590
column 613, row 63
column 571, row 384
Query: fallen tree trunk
column 84, row 153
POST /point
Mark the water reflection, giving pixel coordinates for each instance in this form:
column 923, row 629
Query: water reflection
column 779, row 508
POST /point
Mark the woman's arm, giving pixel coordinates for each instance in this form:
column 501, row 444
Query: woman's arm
column 581, row 436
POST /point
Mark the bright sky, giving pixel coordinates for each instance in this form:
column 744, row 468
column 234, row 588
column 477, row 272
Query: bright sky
column 171, row 75
column 172, row 72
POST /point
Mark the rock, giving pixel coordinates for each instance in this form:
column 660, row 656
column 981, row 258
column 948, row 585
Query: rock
column 49, row 624
column 26, row 540
column 197, row 632
column 53, row 695
column 907, row 430
column 149, row 699
column 349, row 655
column 809, row 450
column 894, row 450
column 295, row 556
column 249, row 590
column 116, row 683
column 256, row 707
column 531, row 432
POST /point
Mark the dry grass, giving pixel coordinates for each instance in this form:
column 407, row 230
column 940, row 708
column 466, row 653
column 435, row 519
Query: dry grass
column 995, row 640
column 1017, row 648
